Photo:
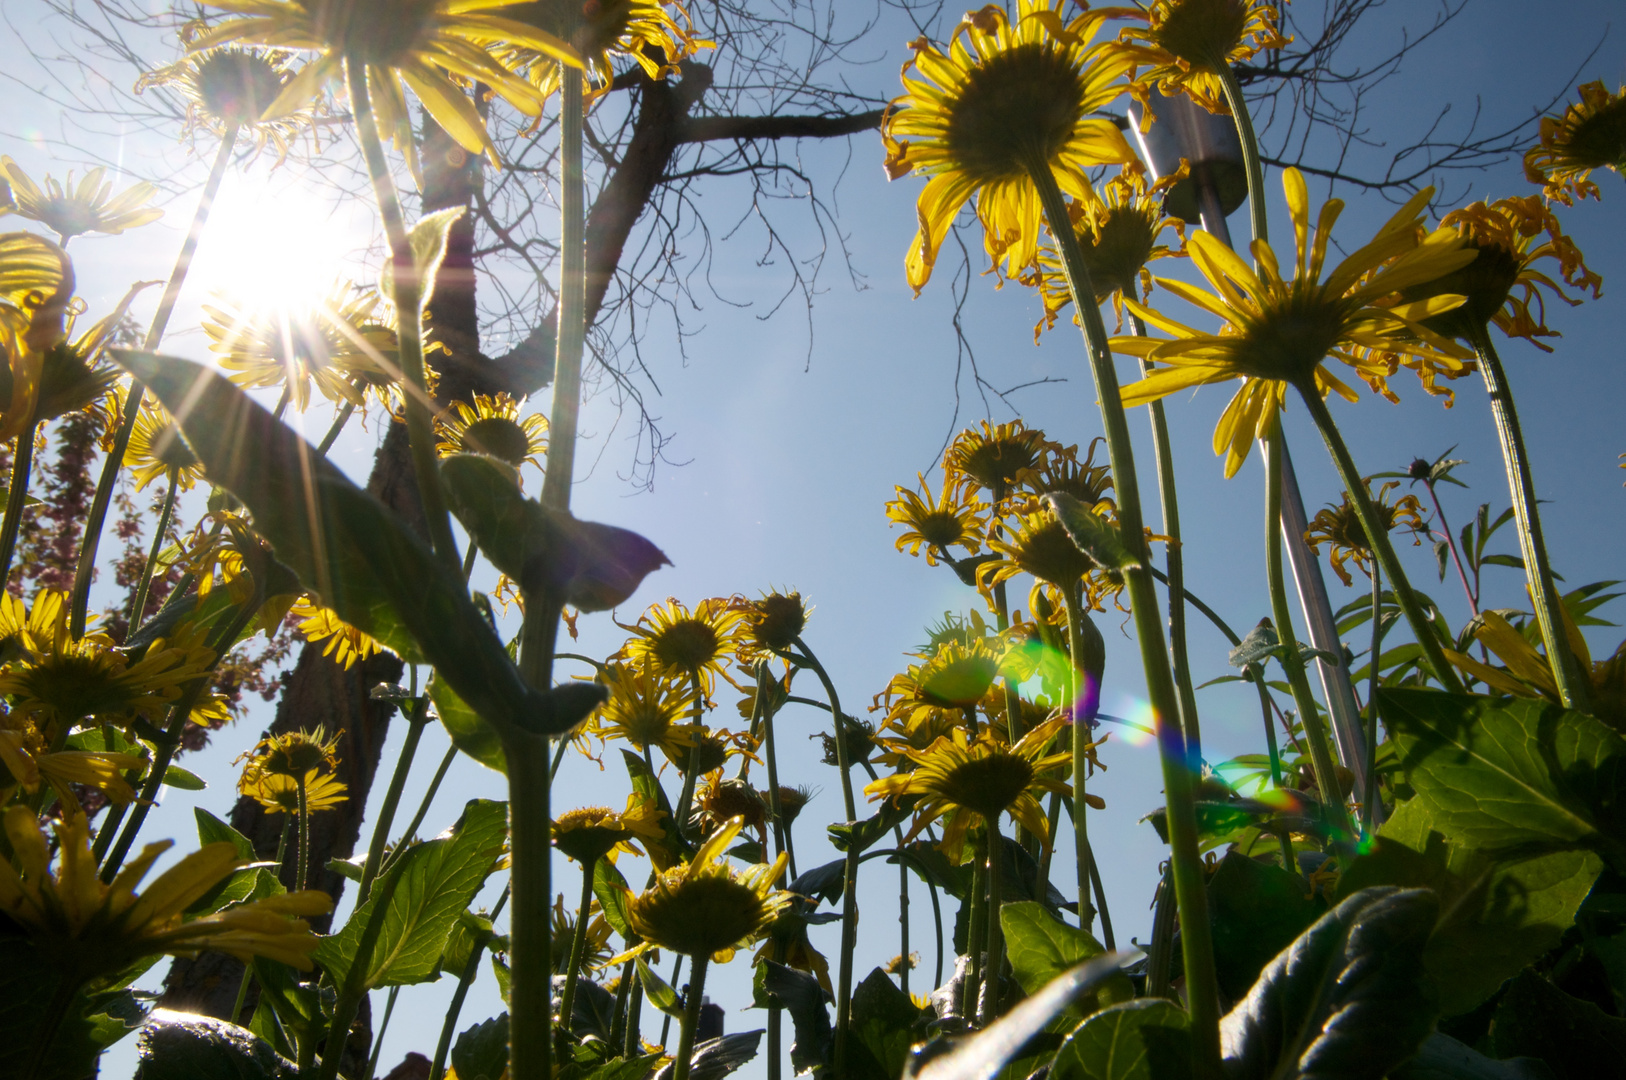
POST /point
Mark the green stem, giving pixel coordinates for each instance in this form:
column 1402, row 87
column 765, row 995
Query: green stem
column 691, row 768
column 578, row 945
column 409, row 318
column 471, row 968
column 1107, row 938
column 423, row 808
column 22, row 465
column 775, row 1042
column 242, row 993
column 1081, row 743
column 1574, row 685
column 103, row 499
column 781, row 831
column 378, row 1036
column 666, row 1017
column 634, row 1045
column 1202, row 987
column 976, row 931
column 623, row 994
column 530, row 1040
column 1160, row 954
column 282, row 843
column 392, row 798
column 1315, row 732
column 355, row 981
column 903, row 924
column 849, row 893
column 138, row 607
column 567, row 366
column 1250, row 150
column 691, row 1019
column 1369, row 810
column 302, row 880
column 332, row 435
column 994, row 961
column 1377, row 536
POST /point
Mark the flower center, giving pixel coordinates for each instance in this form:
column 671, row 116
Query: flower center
column 1117, row 255
column 687, row 644
column 997, row 463
column 70, row 216
column 1016, row 105
column 777, row 620
column 498, row 437
column 1291, row 338
column 1600, row 139
column 1202, row 32
column 1049, row 554
column 1485, row 282
column 701, row 915
column 988, row 785
column 236, row 87
column 380, row 33
column 75, row 686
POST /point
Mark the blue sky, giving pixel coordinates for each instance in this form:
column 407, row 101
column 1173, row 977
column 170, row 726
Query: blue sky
column 790, row 447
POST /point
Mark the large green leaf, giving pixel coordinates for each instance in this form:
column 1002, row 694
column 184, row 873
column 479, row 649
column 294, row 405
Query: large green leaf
column 592, row 567
column 1511, row 775
column 714, row 1059
column 610, row 887
column 1257, row 910
column 1346, row 1001
column 185, row 1046
column 439, row 880
column 1041, row 947
column 1500, row 914
column 345, row 545
column 1444, row 1058
column 885, row 1023
column 468, row 732
column 1092, row 533
column 30, row 980
column 1575, row 1038
column 481, row 1052
column 1148, row 1039
column 803, row 998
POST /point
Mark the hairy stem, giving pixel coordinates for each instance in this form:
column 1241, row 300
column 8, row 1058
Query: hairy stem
column 691, row 1018
column 22, row 465
column 392, row 798
column 138, row 606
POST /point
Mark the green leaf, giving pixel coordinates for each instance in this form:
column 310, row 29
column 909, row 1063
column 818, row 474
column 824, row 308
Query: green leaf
column 1148, row 1039
column 469, row 932
column 468, row 732
column 211, row 830
column 1575, row 1038
column 659, row 992
column 481, row 1052
column 1041, row 948
column 1499, row 775
column 872, row 829
column 716, row 1058
column 1093, row 534
column 648, row 787
column 1361, row 963
column 428, row 243
column 1260, row 645
column 983, row 1055
column 638, row 1068
column 1444, row 1058
column 610, row 887
column 185, row 1046
column 30, row 980
column 286, row 1007
column 803, row 998
column 1257, row 910
column 1500, row 913
column 343, row 544
column 885, row 1024
column 439, row 880
column 183, row 779
column 593, row 567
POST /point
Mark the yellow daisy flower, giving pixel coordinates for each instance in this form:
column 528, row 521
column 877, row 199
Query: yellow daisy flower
column 706, row 908
column 1277, row 332
column 1525, row 672
column 1590, row 135
column 937, row 522
column 96, row 929
column 642, row 31
column 595, row 947
column 336, row 344
column 1118, row 234
column 966, row 779
column 27, row 757
column 1039, row 545
column 997, row 458
column 294, row 754
column 589, row 833
column 1340, row 528
column 1010, row 95
column 70, row 210
column 73, row 373
column 671, row 640
column 279, row 794
column 645, row 709
column 345, row 644
column 1063, row 472
column 493, row 426
column 1502, row 285
column 65, row 680
column 36, row 282
column 1183, row 44
column 156, row 447
column 433, row 47
column 772, row 623
column 231, row 89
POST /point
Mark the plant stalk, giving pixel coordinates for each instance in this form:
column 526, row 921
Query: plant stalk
column 22, row 464
column 567, row 365
column 691, row 1018
column 994, row 961
column 138, row 607
column 1369, row 810
column 1080, row 727
column 302, row 878
column 1178, row 781
column 578, row 945
column 392, row 798
column 530, row 1037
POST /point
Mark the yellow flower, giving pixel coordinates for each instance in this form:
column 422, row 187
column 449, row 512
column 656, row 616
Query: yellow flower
column 1501, row 285
column 1038, row 545
column 337, row 344
column 671, row 640
column 1184, row 43
column 956, row 676
column 1590, row 135
column 705, row 907
column 294, row 754
column 434, row 47
column 964, row 779
column 997, row 458
column 64, row 680
column 642, row 31
column 589, row 833
column 231, row 89
column 1527, row 674
column 28, row 759
column 345, row 643
column 279, row 794
column 493, row 426
column 645, row 709
column 1084, row 480
column 73, row 375
column 1341, row 529
column 720, row 800
column 70, row 210
column 36, row 282
column 156, row 447
column 773, row 622
column 95, row 929
column 595, row 950
column 937, row 522
column 1118, row 235
column 1009, row 96
column 1277, row 332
